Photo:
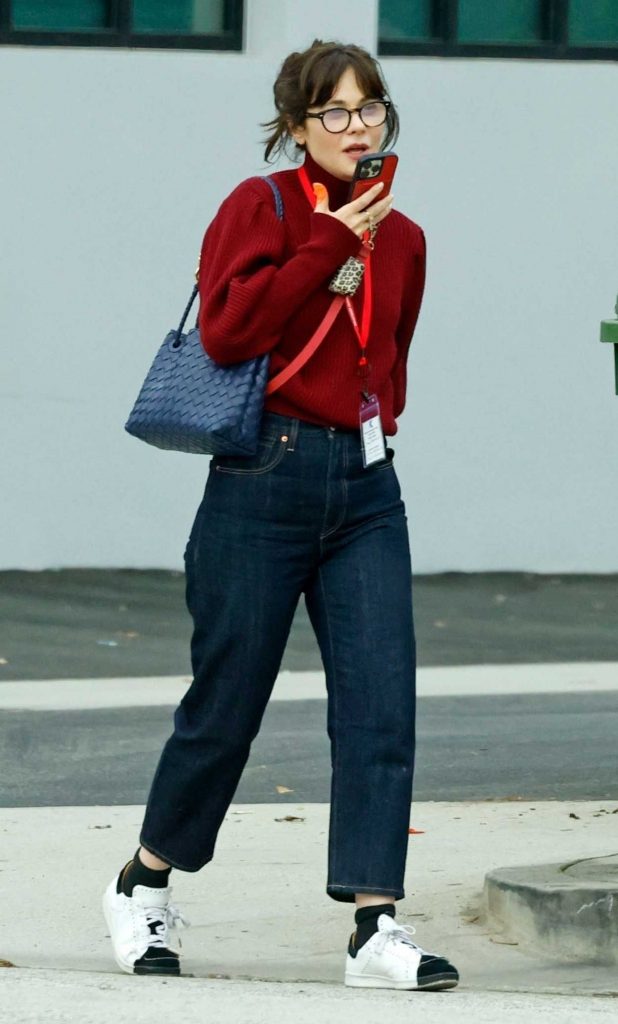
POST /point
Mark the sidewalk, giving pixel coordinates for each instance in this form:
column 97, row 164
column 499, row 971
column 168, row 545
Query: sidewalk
column 91, row 999
column 259, row 912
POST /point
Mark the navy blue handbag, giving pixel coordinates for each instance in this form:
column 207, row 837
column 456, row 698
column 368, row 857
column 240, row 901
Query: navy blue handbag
column 190, row 403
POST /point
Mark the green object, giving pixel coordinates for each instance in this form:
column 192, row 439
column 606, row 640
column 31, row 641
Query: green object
column 61, row 16
column 503, row 21
column 186, row 16
column 609, row 332
column 593, row 22
column 405, row 19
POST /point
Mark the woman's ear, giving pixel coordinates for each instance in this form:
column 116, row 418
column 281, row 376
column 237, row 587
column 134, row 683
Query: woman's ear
column 297, row 132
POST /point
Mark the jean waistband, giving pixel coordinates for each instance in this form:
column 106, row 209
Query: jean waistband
column 304, row 426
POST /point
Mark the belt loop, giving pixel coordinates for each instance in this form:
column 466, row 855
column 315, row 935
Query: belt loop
column 292, row 433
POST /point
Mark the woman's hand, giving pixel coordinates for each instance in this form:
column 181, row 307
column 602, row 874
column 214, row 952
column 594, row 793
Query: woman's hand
column 356, row 215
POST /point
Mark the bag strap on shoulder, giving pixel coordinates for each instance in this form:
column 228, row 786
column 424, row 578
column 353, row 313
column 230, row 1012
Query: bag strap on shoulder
column 279, row 210
column 277, row 195
column 316, row 339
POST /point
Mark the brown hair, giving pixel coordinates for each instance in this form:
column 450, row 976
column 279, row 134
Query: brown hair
column 310, row 78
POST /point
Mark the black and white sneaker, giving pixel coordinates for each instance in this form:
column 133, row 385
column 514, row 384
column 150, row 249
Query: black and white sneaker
column 389, row 959
column 139, row 927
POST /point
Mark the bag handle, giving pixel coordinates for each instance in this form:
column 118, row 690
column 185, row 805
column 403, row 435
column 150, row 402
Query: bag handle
column 279, row 211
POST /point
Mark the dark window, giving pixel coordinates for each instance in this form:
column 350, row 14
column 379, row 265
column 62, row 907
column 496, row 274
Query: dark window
column 593, row 22
column 563, row 29
column 178, row 16
column 406, row 19
column 501, row 21
column 192, row 24
column 60, row 16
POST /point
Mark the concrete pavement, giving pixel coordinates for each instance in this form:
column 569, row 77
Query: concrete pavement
column 259, row 913
column 91, row 999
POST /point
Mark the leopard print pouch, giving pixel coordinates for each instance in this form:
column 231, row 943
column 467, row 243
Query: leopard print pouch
column 348, row 277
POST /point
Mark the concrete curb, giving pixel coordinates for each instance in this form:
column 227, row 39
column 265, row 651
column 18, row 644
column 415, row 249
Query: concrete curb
column 567, row 911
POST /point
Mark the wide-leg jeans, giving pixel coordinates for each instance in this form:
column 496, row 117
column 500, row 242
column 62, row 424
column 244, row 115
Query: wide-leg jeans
column 302, row 516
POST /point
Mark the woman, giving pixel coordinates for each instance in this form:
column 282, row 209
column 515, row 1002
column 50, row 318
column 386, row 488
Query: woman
column 318, row 511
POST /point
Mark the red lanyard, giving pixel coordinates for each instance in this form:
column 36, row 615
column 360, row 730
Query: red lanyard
column 362, row 330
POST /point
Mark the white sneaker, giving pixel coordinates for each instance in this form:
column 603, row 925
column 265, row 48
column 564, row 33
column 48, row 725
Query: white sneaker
column 139, row 927
column 389, row 959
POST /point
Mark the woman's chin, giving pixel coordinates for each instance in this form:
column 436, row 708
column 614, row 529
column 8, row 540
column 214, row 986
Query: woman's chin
column 345, row 171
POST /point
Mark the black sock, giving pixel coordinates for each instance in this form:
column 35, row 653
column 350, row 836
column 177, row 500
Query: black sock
column 136, row 873
column 367, row 922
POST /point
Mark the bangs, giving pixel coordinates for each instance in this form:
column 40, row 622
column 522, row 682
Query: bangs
column 311, row 77
column 321, row 76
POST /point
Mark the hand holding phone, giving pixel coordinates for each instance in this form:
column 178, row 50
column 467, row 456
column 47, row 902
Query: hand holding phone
column 370, row 170
column 370, row 199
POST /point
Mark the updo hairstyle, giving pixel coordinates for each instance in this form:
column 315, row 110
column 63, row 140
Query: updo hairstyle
column 309, row 79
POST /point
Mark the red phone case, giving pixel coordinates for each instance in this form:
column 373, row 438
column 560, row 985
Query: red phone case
column 360, row 185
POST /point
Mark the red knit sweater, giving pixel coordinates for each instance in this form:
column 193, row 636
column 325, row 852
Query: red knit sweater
column 263, row 287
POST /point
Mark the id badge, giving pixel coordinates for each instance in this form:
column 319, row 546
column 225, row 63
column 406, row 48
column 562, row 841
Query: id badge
column 372, row 438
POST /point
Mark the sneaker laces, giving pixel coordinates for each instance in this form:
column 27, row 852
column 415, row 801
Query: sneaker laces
column 160, row 921
column 397, row 933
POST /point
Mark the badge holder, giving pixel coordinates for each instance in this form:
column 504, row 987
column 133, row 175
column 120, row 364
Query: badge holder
column 372, row 436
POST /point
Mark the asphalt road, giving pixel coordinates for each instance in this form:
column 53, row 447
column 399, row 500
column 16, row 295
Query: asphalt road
column 84, row 623
column 534, row 747
column 100, row 624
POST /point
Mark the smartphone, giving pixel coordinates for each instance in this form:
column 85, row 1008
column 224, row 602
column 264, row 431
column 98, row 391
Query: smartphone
column 370, row 169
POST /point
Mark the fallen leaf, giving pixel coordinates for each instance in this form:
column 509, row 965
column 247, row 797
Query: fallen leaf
column 576, row 816
column 99, row 826
column 509, row 798
column 290, row 817
column 416, row 832
column 283, row 789
column 6, row 963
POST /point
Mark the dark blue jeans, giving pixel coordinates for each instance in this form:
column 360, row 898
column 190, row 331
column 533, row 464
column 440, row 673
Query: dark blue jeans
column 301, row 516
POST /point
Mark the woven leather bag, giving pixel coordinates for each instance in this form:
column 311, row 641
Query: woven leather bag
column 190, row 403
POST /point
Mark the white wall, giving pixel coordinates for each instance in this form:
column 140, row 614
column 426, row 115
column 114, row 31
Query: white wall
column 112, row 163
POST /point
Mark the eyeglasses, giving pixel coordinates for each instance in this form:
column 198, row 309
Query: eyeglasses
column 337, row 119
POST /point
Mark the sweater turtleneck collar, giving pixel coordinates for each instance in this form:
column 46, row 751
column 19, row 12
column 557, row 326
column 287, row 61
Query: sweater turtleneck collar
column 337, row 188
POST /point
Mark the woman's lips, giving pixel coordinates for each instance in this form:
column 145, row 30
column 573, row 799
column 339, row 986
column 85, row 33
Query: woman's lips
column 356, row 151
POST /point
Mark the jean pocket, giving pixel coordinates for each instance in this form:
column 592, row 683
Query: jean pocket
column 390, row 455
column 270, row 450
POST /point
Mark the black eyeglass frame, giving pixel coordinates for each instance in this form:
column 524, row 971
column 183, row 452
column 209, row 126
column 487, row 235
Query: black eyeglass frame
column 354, row 110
